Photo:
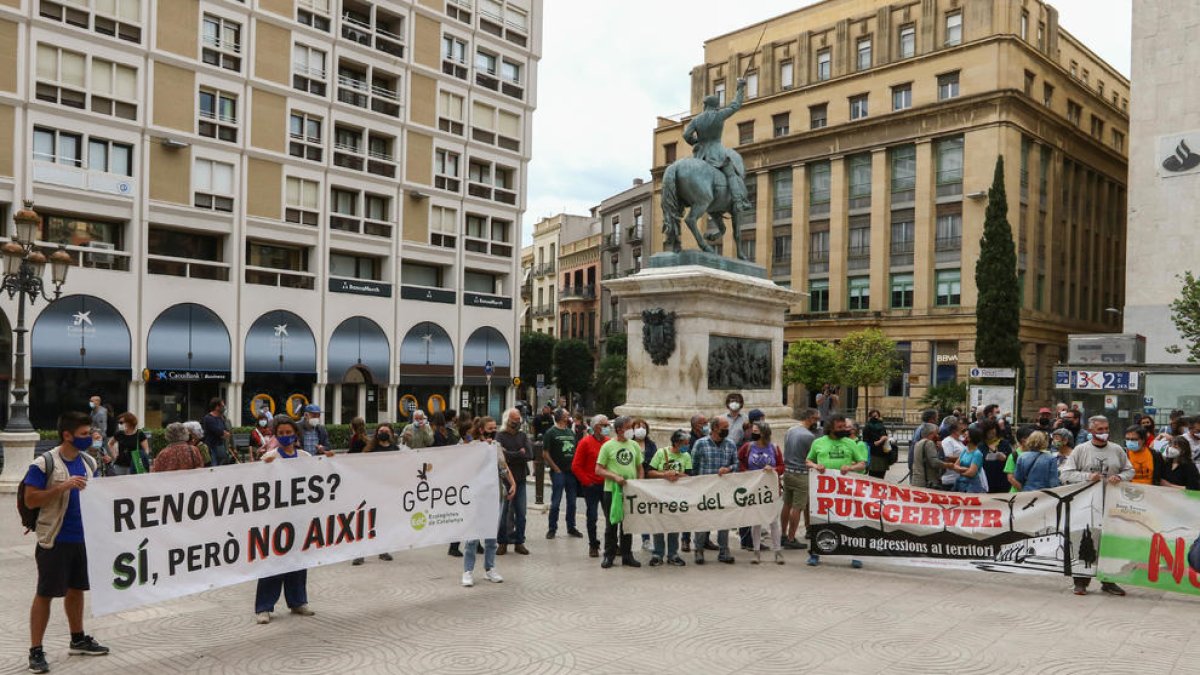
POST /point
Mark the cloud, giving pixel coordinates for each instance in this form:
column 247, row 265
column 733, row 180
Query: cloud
column 610, row 68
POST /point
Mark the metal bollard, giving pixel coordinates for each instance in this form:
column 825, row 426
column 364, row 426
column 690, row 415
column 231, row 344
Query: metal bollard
column 539, row 474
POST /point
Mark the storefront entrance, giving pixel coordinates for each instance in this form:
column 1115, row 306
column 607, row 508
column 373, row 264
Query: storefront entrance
column 360, row 360
column 281, row 366
column 426, row 370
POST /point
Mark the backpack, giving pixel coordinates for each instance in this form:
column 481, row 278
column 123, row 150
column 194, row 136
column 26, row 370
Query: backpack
column 1193, row 556
column 29, row 516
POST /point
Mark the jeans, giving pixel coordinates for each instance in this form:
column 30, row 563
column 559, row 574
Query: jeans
column 293, row 584
column 219, row 455
column 744, row 536
column 563, row 481
column 592, row 496
column 489, row 554
column 672, row 544
column 515, row 507
column 611, row 534
column 701, row 539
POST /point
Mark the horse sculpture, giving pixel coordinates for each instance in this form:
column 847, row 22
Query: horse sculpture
column 703, row 190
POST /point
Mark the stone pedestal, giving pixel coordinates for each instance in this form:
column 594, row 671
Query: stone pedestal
column 727, row 325
column 18, row 453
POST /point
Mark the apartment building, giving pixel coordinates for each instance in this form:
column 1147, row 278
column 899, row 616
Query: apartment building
column 550, row 235
column 272, row 201
column 578, row 298
column 870, row 135
column 623, row 218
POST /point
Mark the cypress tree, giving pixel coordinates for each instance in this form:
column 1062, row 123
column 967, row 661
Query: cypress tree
column 998, row 308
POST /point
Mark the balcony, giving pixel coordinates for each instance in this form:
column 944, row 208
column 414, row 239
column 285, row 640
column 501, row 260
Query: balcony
column 609, row 276
column 542, row 311
column 385, row 36
column 266, row 276
column 587, row 292
column 859, row 258
column 635, row 234
column 948, row 244
column 356, row 225
column 612, row 240
column 527, row 288
column 543, row 269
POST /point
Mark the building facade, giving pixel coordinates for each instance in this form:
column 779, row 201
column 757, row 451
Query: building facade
column 272, row 201
column 579, row 279
column 550, row 235
column 623, row 219
column 870, row 135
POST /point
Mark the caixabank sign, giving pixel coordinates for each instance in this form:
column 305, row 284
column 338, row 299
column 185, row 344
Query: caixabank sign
column 1179, row 154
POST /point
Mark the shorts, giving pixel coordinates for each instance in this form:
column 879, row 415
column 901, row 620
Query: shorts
column 795, row 490
column 61, row 568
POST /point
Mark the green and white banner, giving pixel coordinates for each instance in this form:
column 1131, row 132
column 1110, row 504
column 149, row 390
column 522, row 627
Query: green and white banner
column 1147, row 532
column 701, row 503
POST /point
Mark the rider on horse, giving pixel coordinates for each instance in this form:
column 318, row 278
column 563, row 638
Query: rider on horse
column 703, row 133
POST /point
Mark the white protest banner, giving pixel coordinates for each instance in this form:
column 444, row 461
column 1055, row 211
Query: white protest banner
column 1147, row 533
column 701, row 503
column 165, row 535
column 1055, row 530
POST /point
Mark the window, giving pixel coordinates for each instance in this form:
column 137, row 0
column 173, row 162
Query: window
column 1084, row 77
column 78, row 232
column 218, row 115
column 1030, row 78
column 818, row 247
column 781, row 194
column 953, row 29
column 669, row 150
column 447, row 170
column 719, row 92
column 818, row 295
column 1024, row 25
column 1100, row 88
column 949, row 165
column 752, row 85
column 110, row 157
column 454, row 57
column 308, row 69
column 781, row 248
column 898, row 386
column 1041, row 36
column 818, row 185
column 949, row 288
column 748, row 216
column 181, row 253
column 947, row 86
column 114, row 18
column 858, row 107
column 863, row 62
column 860, row 181
column 304, row 134
column 276, row 257
column 485, row 62
column 1047, row 94
column 949, row 232
column 1074, row 69
column 1118, row 140
column 902, row 97
column 781, row 124
column 904, row 173
column 903, row 231
column 480, row 282
column 451, row 112
column 302, row 201
column 824, row 65
column 1074, row 113
column 212, row 185
column 908, row 42
column 221, row 43
column 57, row 147
column 354, row 266
column 745, row 132
column 443, row 226
column 787, row 78
column 859, row 294
column 62, row 78
column 1097, row 127
column 902, row 291
column 860, row 241
column 818, row 116
column 113, row 88
column 314, row 13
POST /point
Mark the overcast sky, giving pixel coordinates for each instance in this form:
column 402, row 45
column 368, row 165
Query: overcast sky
column 609, row 68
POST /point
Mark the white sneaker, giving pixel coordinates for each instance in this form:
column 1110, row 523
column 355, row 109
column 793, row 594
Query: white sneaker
column 468, row 579
column 302, row 610
column 493, row 576
column 263, row 617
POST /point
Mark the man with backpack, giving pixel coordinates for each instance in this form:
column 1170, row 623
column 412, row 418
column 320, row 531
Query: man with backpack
column 48, row 500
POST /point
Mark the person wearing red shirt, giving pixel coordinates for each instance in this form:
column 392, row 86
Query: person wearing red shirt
column 583, row 465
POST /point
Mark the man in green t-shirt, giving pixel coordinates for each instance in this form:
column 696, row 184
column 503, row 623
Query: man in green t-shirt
column 620, row 460
column 558, row 443
column 836, row 451
column 670, row 463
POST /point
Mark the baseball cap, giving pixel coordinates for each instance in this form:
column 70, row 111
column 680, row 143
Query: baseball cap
column 756, row 415
column 312, row 408
column 1045, row 410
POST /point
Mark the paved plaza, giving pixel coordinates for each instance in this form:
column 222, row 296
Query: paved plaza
column 558, row 612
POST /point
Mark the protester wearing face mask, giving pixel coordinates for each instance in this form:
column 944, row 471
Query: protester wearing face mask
column 1036, row 468
column 508, row 490
column 1094, row 461
column 1147, row 462
column 715, row 454
column 836, row 452
column 670, row 463
column 1062, row 442
column 314, row 437
column 129, row 447
column 262, row 438
column 737, row 421
column 418, row 434
column 384, row 440
column 583, row 465
column 216, row 432
column 699, row 429
column 518, row 450
column 760, row 454
column 1179, row 469
column 620, row 460
column 293, row 584
column 952, row 448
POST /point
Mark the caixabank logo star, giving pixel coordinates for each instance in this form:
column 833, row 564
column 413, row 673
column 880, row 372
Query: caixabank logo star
column 430, row 505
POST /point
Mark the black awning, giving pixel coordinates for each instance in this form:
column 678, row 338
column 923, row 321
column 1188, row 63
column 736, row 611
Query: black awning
column 188, row 337
column 280, row 342
column 358, row 341
column 80, row 331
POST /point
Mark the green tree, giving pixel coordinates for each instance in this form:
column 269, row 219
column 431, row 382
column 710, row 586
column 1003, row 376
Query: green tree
column 537, row 357
column 1185, row 313
column 810, row 363
column 945, row 397
column 866, row 358
column 610, row 382
column 573, row 366
column 617, row 345
column 998, row 308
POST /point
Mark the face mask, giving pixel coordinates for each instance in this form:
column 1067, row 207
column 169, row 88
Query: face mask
column 606, row 431
column 314, row 421
column 489, row 435
column 82, row 444
column 285, row 441
column 684, row 449
column 722, row 434
column 1170, row 452
column 839, row 433
column 639, row 433
column 383, row 436
column 513, row 425
column 627, row 434
column 1132, row 445
column 262, row 423
column 92, row 405
column 735, row 406
column 756, row 436
column 1103, row 438
column 706, row 429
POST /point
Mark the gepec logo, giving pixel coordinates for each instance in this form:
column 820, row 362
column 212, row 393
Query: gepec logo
column 1176, row 156
column 431, row 505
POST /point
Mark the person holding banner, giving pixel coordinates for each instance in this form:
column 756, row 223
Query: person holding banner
column 508, row 490
column 619, row 461
column 293, row 584
column 836, row 450
column 52, row 484
column 715, row 454
column 760, row 454
column 384, row 440
column 1094, row 461
column 670, row 463
column 518, row 451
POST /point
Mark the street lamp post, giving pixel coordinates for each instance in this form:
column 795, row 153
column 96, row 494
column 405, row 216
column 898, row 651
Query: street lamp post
column 23, row 269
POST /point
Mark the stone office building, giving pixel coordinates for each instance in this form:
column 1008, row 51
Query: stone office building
column 271, row 201
column 870, row 135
